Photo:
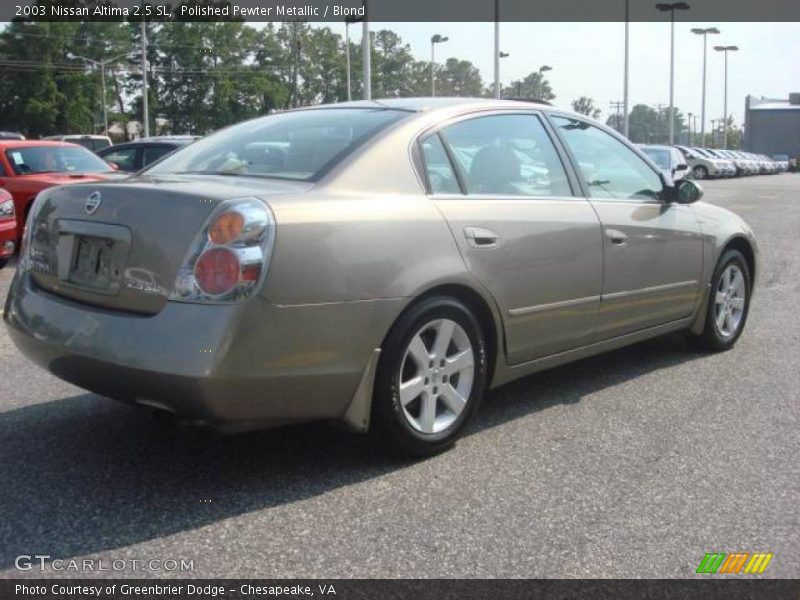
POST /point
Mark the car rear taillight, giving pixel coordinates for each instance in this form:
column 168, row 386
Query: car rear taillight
column 217, row 271
column 230, row 256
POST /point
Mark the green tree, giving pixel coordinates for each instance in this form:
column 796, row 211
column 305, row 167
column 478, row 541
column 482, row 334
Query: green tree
column 42, row 91
column 533, row 86
column 585, row 106
column 458, row 78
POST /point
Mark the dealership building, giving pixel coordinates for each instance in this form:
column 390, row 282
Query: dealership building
column 772, row 126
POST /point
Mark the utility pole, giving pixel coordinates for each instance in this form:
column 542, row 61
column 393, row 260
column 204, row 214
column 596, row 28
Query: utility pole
column 625, row 130
column 145, row 110
column 616, row 106
column 689, row 123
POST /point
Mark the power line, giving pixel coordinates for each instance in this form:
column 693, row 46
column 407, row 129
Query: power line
column 254, row 46
column 34, row 66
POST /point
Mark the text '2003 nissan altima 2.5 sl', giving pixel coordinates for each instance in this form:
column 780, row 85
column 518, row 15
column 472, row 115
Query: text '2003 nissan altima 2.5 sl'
column 377, row 263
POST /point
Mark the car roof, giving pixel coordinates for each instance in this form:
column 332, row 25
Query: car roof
column 77, row 136
column 33, row 143
column 154, row 140
column 431, row 104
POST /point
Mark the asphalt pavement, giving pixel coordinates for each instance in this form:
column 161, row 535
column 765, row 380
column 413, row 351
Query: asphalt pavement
column 631, row 464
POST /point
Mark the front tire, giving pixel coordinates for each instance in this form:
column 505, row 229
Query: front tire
column 431, row 377
column 728, row 303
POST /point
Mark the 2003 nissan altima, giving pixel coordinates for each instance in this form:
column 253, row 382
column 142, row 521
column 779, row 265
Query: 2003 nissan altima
column 379, row 263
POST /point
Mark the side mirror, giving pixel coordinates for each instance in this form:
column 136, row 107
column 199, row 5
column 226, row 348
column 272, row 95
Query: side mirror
column 686, row 191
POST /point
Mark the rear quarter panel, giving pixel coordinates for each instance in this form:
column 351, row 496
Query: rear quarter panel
column 350, row 246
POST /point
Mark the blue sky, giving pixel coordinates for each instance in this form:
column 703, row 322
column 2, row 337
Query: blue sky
column 587, row 59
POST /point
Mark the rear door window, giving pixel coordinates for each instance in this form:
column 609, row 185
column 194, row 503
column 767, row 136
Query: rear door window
column 507, row 155
column 124, row 158
column 441, row 176
column 151, row 154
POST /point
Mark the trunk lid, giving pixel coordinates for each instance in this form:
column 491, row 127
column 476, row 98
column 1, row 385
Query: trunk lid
column 120, row 245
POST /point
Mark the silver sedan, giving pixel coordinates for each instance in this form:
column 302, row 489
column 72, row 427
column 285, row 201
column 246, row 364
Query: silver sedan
column 379, row 264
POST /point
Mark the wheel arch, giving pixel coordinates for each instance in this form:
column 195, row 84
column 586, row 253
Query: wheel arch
column 743, row 245
column 747, row 248
column 357, row 415
column 481, row 308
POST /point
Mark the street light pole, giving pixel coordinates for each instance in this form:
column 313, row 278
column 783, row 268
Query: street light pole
column 543, row 69
column 704, row 33
column 725, row 49
column 496, row 48
column 347, row 44
column 145, row 109
column 672, row 8
column 435, row 39
column 365, row 51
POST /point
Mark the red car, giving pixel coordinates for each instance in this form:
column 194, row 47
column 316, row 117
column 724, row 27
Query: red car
column 8, row 227
column 28, row 167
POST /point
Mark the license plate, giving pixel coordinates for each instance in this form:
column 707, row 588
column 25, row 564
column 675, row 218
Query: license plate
column 92, row 263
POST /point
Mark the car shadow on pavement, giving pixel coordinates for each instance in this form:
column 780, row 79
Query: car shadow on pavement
column 84, row 474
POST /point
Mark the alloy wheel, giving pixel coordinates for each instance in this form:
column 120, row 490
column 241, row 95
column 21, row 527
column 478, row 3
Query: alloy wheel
column 436, row 376
column 730, row 301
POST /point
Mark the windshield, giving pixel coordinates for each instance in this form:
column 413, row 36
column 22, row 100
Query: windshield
column 297, row 145
column 660, row 156
column 58, row 159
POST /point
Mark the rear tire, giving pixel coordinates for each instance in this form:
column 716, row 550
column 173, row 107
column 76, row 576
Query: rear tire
column 431, row 377
column 728, row 303
column 700, row 172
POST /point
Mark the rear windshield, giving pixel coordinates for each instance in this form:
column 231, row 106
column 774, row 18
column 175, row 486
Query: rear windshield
column 58, row 159
column 297, row 145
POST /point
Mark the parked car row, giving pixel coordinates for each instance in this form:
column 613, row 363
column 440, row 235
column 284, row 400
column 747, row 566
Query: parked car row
column 705, row 163
column 29, row 166
column 135, row 156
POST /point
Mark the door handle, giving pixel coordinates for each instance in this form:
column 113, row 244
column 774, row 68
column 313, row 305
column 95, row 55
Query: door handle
column 617, row 238
column 480, row 237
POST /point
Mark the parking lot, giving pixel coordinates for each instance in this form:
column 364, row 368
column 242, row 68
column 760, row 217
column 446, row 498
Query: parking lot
column 631, row 464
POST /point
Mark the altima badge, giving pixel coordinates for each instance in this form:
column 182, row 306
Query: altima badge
column 92, row 203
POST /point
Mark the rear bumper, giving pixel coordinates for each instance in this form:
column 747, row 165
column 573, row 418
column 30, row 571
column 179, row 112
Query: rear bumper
column 230, row 365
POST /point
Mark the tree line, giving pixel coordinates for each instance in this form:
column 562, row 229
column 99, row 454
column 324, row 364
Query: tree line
column 206, row 75
column 209, row 74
